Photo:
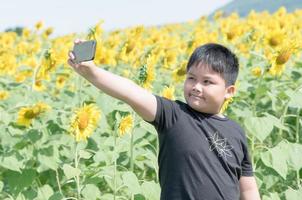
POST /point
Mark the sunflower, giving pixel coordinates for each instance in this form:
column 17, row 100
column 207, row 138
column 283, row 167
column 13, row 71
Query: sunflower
column 84, row 121
column 3, row 95
column 146, row 76
column 39, row 25
column 275, row 38
column 281, row 58
column 179, row 74
column 38, row 86
column 27, row 114
column 168, row 92
column 256, row 71
column 60, row 81
column 125, row 125
column 226, row 104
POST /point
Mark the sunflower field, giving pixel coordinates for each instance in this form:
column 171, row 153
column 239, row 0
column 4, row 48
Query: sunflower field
column 62, row 138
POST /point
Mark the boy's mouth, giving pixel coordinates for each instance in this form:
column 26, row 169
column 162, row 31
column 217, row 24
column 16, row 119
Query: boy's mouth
column 196, row 97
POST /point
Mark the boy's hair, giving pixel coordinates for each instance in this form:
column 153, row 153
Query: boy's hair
column 218, row 58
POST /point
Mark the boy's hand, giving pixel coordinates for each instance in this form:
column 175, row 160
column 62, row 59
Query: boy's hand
column 142, row 101
column 82, row 66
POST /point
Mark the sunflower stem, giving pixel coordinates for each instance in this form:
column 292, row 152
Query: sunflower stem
column 77, row 178
column 37, row 69
column 131, row 153
column 114, row 173
column 255, row 114
column 58, row 182
column 79, row 90
column 132, row 144
column 297, row 126
column 297, row 141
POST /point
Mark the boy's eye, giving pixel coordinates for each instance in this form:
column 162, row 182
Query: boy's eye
column 207, row 82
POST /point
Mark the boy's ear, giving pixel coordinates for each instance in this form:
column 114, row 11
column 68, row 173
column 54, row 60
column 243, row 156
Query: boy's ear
column 230, row 91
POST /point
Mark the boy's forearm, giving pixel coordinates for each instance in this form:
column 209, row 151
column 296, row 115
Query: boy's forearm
column 113, row 85
column 250, row 195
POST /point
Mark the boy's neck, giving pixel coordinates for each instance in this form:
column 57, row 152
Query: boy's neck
column 220, row 115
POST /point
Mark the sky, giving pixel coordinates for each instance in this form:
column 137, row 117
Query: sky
column 69, row 16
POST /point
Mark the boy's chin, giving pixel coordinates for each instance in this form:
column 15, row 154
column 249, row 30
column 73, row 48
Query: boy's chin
column 197, row 107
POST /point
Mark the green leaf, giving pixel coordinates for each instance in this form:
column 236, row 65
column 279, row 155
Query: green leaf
column 295, row 99
column 151, row 190
column 1, row 185
column 148, row 127
column 279, row 162
column 99, row 157
column 295, row 158
column 107, row 197
column 48, row 161
column 91, row 192
column 292, row 194
column 44, row 192
column 56, row 196
column 11, row 162
column 34, row 135
column 5, row 117
column 131, row 181
column 276, row 122
column 17, row 181
column 272, row 196
column 84, row 154
column 260, row 127
column 70, row 171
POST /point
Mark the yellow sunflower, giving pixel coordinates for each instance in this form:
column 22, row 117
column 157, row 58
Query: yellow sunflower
column 146, row 76
column 126, row 125
column 3, row 95
column 39, row 25
column 27, row 114
column 275, row 38
column 225, row 105
column 84, row 121
column 227, row 102
column 168, row 92
column 179, row 74
column 60, row 81
column 281, row 58
column 256, row 71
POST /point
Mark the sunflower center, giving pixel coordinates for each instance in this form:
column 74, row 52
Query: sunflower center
column 230, row 35
column 83, row 121
column 274, row 41
column 181, row 72
column 30, row 114
column 283, row 58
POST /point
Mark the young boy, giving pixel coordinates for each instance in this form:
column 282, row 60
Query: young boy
column 203, row 154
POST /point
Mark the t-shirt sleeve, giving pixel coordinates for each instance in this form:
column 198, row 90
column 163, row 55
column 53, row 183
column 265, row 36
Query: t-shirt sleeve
column 166, row 114
column 246, row 164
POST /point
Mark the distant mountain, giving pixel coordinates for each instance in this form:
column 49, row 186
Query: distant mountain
column 243, row 7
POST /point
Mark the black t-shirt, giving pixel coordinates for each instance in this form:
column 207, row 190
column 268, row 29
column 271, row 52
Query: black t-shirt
column 201, row 156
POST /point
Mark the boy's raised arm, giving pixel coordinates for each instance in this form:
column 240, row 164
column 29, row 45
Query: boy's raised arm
column 142, row 101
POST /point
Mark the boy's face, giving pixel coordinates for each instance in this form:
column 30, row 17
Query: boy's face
column 205, row 90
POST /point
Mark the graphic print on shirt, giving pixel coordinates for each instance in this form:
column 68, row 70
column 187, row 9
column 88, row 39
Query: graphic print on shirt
column 220, row 145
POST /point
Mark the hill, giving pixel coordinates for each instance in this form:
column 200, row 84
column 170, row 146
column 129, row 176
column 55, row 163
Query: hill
column 243, row 7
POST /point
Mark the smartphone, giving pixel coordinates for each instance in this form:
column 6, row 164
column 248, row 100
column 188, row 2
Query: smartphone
column 84, row 51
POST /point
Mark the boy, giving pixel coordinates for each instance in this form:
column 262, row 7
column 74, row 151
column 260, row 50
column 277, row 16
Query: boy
column 203, row 154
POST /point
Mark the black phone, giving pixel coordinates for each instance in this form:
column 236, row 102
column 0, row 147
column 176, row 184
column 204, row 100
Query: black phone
column 84, row 51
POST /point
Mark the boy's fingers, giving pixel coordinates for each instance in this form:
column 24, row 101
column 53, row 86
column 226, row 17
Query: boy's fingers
column 70, row 62
column 77, row 41
column 71, row 55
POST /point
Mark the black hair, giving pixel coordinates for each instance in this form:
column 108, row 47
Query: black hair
column 218, row 58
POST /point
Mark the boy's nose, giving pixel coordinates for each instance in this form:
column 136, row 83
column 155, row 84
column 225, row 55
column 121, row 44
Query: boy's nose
column 197, row 87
